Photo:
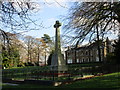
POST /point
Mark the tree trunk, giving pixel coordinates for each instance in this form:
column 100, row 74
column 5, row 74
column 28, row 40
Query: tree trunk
column 98, row 41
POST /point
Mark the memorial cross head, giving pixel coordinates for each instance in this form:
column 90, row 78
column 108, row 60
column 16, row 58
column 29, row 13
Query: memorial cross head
column 57, row 24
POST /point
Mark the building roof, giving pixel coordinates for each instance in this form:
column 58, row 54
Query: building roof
column 90, row 45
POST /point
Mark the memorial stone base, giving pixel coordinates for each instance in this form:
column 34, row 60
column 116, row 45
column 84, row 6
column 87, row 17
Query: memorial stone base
column 58, row 64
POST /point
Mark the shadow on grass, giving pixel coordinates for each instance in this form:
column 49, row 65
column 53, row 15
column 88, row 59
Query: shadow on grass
column 105, row 81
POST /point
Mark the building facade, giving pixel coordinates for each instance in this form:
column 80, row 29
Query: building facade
column 89, row 53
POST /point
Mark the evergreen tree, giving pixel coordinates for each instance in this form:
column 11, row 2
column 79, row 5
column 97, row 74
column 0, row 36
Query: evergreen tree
column 47, row 38
column 10, row 59
column 50, row 57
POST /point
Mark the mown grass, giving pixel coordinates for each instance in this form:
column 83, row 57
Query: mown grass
column 105, row 81
column 26, row 72
column 84, row 65
column 29, row 69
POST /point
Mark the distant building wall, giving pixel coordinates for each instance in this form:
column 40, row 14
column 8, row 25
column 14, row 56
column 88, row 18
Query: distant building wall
column 89, row 53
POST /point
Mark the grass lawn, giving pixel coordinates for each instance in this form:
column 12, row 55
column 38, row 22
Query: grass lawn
column 106, row 81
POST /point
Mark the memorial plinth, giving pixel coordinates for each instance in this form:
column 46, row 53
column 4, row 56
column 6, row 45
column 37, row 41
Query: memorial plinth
column 58, row 63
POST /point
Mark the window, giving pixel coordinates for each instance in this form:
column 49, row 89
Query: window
column 91, row 59
column 69, row 61
column 77, row 60
column 80, row 53
column 80, row 61
column 83, row 60
column 87, row 59
column 91, row 53
column 77, row 53
column 97, row 59
column 86, row 52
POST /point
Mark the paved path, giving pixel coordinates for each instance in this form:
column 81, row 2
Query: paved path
column 11, row 84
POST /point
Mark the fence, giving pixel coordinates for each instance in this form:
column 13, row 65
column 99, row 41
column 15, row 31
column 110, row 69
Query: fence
column 44, row 73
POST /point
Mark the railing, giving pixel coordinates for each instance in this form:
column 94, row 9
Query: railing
column 44, row 73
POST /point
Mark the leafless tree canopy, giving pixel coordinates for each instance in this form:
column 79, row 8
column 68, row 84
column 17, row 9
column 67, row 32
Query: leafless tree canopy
column 85, row 17
column 15, row 13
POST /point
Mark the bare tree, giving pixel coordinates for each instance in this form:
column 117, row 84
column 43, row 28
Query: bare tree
column 29, row 41
column 87, row 19
column 15, row 14
column 38, row 44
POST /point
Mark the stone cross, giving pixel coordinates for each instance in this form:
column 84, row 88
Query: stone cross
column 58, row 62
column 57, row 37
